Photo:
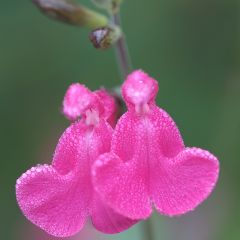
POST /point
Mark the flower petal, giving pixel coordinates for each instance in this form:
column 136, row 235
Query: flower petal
column 121, row 186
column 67, row 152
column 122, row 177
column 156, row 130
column 182, row 183
column 58, row 198
column 108, row 221
column 79, row 145
column 51, row 201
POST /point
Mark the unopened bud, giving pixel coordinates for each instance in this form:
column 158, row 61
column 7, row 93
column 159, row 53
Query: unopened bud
column 69, row 12
column 104, row 37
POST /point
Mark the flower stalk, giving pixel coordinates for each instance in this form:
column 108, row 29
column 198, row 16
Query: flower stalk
column 148, row 229
column 121, row 50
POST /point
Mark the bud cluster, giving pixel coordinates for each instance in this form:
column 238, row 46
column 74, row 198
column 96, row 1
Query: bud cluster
column 103, row 32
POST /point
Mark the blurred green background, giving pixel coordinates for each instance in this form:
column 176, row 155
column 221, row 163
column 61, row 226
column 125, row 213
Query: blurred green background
column 192, row 47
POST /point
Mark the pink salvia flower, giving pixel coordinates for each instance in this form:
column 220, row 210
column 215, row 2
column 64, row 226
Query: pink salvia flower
column 148, row 165
column 78, row 98
column 60, row 197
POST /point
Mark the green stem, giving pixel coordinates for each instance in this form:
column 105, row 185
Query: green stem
column 148, row 229
column 121, row 49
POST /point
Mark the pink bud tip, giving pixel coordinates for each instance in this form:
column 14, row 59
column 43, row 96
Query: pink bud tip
column 139, row 88
column 77, row 100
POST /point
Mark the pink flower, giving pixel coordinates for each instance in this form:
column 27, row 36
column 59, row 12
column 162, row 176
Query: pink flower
column 60, row 197
column 148, row 165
